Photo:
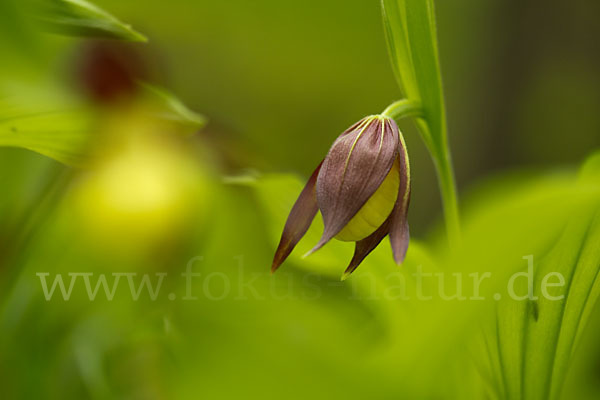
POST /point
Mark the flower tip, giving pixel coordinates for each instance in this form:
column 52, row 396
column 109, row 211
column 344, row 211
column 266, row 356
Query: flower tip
column 317, row 247
column 400, row 246
column 399, row 256
column 274, row 266
column 308, row 253
column 399, row 261
column 279, row 258
column 345, row 276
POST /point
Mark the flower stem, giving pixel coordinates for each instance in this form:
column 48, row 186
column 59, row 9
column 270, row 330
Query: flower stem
column 447, row 183
column 406, row 108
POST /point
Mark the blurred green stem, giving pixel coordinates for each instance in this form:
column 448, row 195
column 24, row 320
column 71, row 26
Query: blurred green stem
column 406, row 108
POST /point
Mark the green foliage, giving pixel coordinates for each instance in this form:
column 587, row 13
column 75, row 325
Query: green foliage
column 412, row 44
column 48, row 117
column 541, row 334
column 82, row 18
column 528, row 345
column 519, row 348
column 42, row 119
column 169, row 108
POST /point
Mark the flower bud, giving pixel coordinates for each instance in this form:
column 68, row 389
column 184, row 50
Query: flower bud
column 362, row 189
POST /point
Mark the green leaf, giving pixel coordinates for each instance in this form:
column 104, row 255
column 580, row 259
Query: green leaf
column 420, row 25
column 82, row 18
column 169, row 108
column 538, row 337
column 45, row 119
column 42, row 120
column 591, row 168
column 412, row 44
column 394, row 21
column 530, row 343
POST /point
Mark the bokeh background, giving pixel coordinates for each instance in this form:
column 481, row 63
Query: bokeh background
column 521, row 80
column 277, row 82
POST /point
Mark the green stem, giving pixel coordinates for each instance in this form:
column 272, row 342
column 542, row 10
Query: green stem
column 406, row 108
column 447, row 182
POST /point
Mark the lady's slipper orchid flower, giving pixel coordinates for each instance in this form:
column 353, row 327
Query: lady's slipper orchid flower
column 362, row 189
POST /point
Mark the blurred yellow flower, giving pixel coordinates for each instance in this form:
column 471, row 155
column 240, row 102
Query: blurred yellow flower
column 143, row 191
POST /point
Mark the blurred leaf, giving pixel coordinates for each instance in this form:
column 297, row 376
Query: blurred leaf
column 16, row 36
column 41, row 119
column 169, row 108
column 591, row 168
column 45, row 119
column 82, row 18
column 528, row 344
